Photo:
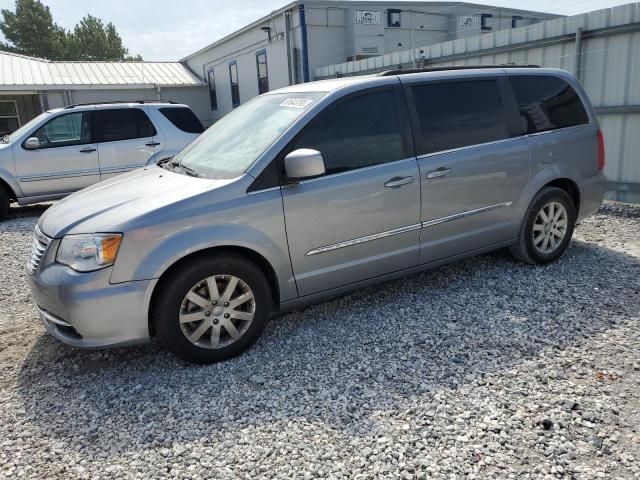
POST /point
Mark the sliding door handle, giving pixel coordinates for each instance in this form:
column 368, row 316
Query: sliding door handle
column 438, row 173
column 88, row 150
column 397, row 182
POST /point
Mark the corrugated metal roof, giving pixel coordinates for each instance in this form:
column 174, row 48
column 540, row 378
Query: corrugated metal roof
column 18, row 72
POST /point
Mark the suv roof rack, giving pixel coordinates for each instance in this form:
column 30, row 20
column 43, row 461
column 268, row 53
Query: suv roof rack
column 120, row 101
column 400, row 71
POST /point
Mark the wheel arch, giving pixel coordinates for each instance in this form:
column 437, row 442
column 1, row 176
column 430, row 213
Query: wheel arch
column 259, row 260
column 9, row 188
column 568, row 186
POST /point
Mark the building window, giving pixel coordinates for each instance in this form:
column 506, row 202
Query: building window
column 263, row 75
column 483, row 22
column 235, row 88
column 393, row 18
column 514, row 21
column 9, row 120
column 213, row 98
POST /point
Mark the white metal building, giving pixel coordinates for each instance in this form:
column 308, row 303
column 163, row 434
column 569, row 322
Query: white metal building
column 30, row 85
column 289, row 44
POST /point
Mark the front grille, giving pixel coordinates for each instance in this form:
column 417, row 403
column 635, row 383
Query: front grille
column 38, row 248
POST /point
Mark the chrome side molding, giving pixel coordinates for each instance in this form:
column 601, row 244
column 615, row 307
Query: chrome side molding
column 409, row 228
column 368, row 238
column 468, row 213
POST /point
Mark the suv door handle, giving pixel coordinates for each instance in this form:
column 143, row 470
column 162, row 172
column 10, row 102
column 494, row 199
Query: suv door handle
column 397, row 182
column 88, row 150
column 152, row 144
column 438, row 173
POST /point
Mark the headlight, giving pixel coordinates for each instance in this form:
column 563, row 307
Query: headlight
column 86, row 253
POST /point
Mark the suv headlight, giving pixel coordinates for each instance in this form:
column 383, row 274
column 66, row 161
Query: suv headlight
column 86, row 253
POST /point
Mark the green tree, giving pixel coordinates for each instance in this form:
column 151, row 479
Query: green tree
column 92, row 40
column 30, row 30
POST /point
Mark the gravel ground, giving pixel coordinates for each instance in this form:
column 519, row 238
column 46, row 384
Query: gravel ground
column 482, row 369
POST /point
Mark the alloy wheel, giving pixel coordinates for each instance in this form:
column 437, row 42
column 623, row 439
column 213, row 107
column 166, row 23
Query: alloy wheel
column 550, row 227
column 217, row 311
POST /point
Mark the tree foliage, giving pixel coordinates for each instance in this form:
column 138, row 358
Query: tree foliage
column 30, row 30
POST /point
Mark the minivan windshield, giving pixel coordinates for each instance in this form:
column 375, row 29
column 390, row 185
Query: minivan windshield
column 26, row 127
column 231, row 145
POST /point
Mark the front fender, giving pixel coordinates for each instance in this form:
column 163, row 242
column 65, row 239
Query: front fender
column 10, row 179
column 255, row 223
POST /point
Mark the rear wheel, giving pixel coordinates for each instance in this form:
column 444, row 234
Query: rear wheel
column 4, row 203
column 547, row 227
column 212, row 309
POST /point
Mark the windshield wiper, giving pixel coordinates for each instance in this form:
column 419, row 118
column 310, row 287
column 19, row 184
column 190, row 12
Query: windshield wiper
column 169, row 162
column 164, row 160
column 187, row 170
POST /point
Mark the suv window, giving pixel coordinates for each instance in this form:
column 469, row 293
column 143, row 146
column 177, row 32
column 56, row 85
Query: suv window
column 116, row 124
column 459, row 114
column 65, row 130
column 183, row 119
column 547, row 103
column 356, row 133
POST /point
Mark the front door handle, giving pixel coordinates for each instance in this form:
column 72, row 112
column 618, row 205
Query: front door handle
column 152, row 144
column 88, row 150
column 397, row 182
column 438, row 173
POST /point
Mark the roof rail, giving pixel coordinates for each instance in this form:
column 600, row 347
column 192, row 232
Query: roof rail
column 400, row 71
column 119, row 101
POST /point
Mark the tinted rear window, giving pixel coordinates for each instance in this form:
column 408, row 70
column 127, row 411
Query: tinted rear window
column 123, row 124
column 547, row 103
column 183, row 118
column 459, row 114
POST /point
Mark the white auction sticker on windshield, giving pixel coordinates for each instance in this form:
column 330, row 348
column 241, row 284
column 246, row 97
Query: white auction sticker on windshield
column 296, row 103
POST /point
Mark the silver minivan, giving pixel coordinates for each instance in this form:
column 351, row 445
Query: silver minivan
column 317, row 189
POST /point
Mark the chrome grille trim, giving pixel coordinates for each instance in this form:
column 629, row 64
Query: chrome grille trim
column 38, row 248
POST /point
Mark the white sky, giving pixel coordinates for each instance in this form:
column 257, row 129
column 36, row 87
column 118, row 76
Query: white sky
column 171, row 29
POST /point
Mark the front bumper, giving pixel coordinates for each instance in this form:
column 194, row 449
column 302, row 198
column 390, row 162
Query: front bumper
column 85, row 310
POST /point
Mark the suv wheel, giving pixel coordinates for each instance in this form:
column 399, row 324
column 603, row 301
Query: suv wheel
column 212, row 309
column 547, row 227
column 4, row 203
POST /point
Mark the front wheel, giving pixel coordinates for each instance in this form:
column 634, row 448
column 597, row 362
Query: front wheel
column 547, row 227
column 212, row 309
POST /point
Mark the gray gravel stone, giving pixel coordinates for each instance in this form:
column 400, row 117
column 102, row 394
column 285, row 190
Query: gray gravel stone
column 445, row 374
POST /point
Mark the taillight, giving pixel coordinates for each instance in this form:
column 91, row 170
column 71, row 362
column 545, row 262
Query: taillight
column 601, row 156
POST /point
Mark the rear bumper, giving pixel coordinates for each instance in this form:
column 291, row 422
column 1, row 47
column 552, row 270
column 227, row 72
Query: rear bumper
column 85, row 310
column 592, row 191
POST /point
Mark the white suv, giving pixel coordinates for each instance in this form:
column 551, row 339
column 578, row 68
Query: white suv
column 67, row 149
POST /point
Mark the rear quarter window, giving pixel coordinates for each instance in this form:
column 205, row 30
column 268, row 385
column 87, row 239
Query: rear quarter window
column 547, row 103
column 183, row 119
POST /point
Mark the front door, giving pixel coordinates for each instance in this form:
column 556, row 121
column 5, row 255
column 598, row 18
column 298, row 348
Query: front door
column 66, row 161
column 472, row 172
column 127, row 140
column 362, row 218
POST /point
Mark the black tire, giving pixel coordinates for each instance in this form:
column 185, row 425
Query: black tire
column 525, row 249
column 168, row 303
column 4, row 203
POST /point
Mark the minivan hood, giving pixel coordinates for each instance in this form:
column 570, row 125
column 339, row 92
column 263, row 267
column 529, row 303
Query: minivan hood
column 111, row 205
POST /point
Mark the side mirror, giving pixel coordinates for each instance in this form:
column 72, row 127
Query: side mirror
column 304, row 163
column 32, row 143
